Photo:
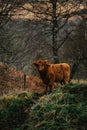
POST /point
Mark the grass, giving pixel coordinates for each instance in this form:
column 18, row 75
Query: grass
column 80, row 81
column 14, row 110
column 63, row 109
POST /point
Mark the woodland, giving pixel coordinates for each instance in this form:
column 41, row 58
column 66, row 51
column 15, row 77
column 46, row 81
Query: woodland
column 53, row 30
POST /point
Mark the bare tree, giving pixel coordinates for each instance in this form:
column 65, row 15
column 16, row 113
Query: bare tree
column 7, row 10
column 55, row 12
column 55, row 15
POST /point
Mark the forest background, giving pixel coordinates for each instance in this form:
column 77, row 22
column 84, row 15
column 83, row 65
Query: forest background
column 42, row 29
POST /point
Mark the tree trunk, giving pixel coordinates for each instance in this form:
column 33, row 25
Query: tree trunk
column 74, row 69
column 54, row 31
column 82, row 47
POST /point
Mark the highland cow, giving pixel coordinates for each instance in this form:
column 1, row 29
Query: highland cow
column 51, row 73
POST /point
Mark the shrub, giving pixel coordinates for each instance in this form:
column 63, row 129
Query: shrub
column 14, row 110
column 63, row 109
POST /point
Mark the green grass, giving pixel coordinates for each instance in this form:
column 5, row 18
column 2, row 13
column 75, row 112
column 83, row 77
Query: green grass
column 13, row 110
column 63, row 109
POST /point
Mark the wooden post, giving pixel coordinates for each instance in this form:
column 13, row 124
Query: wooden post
column 24, row 81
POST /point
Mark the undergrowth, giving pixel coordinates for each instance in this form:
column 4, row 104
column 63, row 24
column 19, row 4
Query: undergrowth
column 14, row 109
column 63, row 109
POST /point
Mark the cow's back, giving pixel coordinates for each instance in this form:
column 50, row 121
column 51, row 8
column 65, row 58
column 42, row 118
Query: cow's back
column 61, row 72
column 57, row 71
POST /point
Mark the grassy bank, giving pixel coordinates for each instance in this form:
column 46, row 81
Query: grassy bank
column 63, row 109
column 14, row 109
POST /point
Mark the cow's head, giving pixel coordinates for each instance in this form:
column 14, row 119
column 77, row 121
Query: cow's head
column 41, row 64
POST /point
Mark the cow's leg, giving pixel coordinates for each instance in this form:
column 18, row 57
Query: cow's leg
column 46, row 89
column 51, row 84
column 65, row 81
column 50, row 88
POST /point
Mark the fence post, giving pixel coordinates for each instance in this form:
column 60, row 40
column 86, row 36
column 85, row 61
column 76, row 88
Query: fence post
column 24, row 81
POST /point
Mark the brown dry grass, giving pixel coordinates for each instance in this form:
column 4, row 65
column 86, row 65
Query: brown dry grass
column 79, row 81
column 35, row 84
column 12, row 81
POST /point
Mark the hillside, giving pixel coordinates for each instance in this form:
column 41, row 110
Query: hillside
column 63, row 109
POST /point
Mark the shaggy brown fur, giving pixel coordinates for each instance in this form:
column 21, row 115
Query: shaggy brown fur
column 51, row 73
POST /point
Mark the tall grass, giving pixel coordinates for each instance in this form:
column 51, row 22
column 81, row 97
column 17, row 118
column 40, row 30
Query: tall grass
column 14, row 110
column 63, row 109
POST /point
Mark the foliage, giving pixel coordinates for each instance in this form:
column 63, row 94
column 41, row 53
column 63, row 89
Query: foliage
column 63, row 109
column 13, row 110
